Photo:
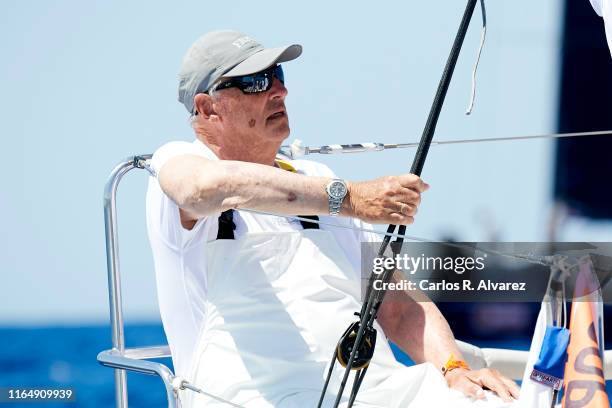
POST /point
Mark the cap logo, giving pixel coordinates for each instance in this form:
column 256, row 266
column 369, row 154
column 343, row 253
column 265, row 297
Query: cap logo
column 242, row 41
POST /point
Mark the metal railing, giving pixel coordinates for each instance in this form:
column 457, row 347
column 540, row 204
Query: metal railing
column 120, row 358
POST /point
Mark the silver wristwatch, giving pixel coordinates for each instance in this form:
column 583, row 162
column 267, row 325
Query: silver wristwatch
column 336, row 191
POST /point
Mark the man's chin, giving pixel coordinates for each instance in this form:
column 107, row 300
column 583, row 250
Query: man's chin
column 280, row 131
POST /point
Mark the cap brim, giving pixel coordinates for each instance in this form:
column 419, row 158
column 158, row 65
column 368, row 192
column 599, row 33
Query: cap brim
column 264, row 59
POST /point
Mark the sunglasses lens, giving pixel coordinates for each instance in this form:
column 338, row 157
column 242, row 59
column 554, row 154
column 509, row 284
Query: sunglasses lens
column 255, row 83
column 278, row 73
column 262, row 81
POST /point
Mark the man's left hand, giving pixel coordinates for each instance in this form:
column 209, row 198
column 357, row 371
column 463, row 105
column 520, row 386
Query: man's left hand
column 472, row 383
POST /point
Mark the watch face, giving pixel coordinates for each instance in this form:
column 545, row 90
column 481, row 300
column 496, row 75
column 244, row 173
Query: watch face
column 337, row 189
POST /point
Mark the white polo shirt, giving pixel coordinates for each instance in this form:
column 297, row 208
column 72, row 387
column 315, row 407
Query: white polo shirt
column 179, row 257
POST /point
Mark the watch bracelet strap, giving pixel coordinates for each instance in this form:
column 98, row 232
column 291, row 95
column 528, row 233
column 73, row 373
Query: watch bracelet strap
column 334, row 207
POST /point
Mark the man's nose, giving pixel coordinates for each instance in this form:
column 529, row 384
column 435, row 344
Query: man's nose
column 278, row 89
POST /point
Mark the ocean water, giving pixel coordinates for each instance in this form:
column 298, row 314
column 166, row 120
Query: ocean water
column 66, row 357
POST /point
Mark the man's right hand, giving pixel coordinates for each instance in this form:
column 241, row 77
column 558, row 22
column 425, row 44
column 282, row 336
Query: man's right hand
column 386, row 200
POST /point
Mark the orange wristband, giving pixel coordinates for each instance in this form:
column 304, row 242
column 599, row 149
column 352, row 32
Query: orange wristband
column 451, row 364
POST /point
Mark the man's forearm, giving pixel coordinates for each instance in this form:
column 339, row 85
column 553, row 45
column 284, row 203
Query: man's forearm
column 418, row 328
column 203, row 187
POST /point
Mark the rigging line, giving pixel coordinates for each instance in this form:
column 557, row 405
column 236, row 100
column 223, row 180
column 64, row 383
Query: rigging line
column 296, row 150
column 482, row 41
column 188, row 386
column 501, row 139
column 530, row 258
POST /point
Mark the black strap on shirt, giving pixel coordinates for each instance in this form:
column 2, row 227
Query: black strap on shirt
column 309, row 225
column 227, row 225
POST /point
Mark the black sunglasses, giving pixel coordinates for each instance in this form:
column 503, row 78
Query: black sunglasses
column 254, row 83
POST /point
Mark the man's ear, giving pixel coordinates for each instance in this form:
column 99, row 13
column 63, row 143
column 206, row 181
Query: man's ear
column 203, row 105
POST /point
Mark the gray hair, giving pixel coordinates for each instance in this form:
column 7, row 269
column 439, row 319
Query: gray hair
column 213, row 93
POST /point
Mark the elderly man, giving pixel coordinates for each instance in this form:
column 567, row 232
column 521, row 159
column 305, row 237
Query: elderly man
column 254, row 303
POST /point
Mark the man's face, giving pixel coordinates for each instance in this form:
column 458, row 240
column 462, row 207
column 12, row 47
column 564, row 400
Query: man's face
column 252, row 119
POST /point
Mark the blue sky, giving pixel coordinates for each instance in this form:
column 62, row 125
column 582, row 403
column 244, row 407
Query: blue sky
column 85, row 84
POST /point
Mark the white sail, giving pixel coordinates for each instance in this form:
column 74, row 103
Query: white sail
column 604, row 9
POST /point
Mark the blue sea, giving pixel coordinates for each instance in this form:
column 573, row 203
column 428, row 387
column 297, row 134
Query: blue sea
column 66, row 357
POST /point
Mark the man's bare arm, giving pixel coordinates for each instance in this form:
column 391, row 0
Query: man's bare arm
column 418, row 328
column 422, row 332
column 204, row 187
column 201, row 187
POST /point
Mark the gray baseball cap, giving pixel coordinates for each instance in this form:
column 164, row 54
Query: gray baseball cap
column 225, row 54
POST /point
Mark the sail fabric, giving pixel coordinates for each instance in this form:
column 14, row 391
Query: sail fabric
column 604, row 9
column 584, row 372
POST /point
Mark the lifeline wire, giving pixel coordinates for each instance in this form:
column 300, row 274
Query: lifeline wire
column 183, row 384
column 482, row 41
column 534, row 259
